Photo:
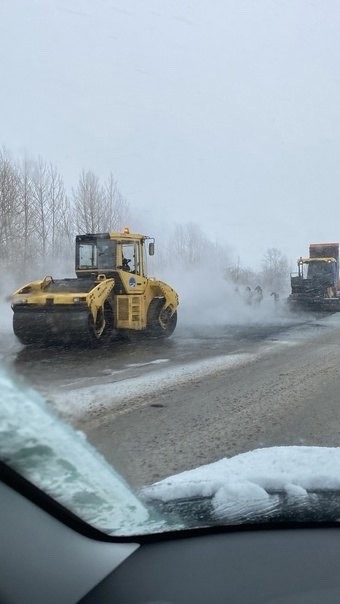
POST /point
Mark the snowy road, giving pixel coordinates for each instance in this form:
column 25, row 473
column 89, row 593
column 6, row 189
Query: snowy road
column 155, row 408
column 286, row 392
column 80, row 381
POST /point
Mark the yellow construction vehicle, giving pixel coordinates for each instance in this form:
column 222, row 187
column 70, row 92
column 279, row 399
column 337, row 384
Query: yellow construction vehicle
column 111, row 294
column 316, row 286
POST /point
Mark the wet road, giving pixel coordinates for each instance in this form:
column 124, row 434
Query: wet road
column 154, row 408
column 75, row 367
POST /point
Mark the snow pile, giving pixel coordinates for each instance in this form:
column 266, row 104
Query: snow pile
column 247, row 481
column 59, row 460
column 79, row 401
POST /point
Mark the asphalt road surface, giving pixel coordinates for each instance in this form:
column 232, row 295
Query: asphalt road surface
column 155, row 408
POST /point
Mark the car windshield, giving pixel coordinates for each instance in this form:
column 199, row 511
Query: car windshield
column 163, row 165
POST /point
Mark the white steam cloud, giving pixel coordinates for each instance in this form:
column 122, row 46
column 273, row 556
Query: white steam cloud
column 208, row 299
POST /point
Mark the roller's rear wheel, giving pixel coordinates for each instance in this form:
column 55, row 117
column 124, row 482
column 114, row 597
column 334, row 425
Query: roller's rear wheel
column 160, row 322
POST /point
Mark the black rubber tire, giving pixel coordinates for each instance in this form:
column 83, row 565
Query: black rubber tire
column 160, row 324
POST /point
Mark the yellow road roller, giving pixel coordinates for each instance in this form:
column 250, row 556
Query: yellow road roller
column 111, row 294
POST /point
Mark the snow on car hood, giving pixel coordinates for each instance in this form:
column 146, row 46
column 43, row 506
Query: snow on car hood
column 59, row 460
column 249, row 482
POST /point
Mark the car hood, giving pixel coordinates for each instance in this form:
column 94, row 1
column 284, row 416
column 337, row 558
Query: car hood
column 294, row 483
column 61, row 462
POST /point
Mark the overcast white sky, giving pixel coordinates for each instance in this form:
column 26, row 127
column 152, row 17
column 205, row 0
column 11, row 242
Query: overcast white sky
column 225, row 112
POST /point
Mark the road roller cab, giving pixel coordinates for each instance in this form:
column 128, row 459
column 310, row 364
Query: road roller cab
column 111, row 294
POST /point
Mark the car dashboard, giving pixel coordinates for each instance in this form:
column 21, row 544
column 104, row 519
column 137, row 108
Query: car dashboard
column 49, row 557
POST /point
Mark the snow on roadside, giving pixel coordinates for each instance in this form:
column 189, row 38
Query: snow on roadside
column 126, row 394
column 78, row 402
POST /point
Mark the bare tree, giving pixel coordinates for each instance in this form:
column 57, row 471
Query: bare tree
column 242, row 275
column 9, row 209
column 89, row 204
column 97, row 208
column 275, row 270
column 188, row 244
column 48, row 206
column 38, row 222
column 58, row 206
column 41, row 206
column 65, row 228
column 116, row 207
column 26, row 213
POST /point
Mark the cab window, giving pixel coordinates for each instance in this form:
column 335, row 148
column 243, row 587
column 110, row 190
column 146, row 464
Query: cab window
column 131, row 257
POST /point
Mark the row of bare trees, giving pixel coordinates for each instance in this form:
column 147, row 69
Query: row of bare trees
column 273, row 276
column 188, row 247
column 38, row 220
column 38, row 223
